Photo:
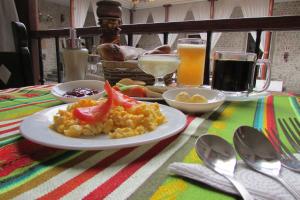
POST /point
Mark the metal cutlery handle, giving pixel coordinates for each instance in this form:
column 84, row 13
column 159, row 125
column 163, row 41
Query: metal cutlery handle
column 288, row 186
column 243, row 191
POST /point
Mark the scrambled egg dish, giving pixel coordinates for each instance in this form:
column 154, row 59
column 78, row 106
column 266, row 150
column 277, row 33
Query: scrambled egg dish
column 119, row 123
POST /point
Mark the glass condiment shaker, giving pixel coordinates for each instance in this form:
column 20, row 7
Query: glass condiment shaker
column 75, row 58
column 94, row 69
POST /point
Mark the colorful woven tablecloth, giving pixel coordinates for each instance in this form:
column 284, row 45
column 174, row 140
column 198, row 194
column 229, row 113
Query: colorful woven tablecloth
column 33, row 171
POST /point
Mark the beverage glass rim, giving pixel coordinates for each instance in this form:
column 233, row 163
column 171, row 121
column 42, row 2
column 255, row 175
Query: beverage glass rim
column 191, row 41
column 234, row 56
column 159, row 55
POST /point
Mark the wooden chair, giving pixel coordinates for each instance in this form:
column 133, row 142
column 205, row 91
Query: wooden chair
column 18, row 63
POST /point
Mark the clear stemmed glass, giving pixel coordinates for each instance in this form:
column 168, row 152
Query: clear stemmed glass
column 158, row 65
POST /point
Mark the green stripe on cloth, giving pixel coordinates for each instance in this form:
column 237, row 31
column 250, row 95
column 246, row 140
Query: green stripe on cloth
column 224, row 124
column 234, row 115
column 285, row 107
column 27, row 110
column 179, row 188
column 23, row 175
column 20, row 101
column 9, row 139
column 295, row 105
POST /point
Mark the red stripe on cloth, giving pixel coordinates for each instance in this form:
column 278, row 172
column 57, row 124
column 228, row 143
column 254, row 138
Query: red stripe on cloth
column 10, row 90
column 20, row 154
column 47, row 86
column 10, row 123
column 271, row 120
column 86, row 175
column 9, row 130
column 26, row 104
column 114, row 182
column 89, row 173
column 189, row 119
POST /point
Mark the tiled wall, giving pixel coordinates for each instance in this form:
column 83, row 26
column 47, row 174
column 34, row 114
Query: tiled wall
column 233, row 41
column 285, row 50
column 284, row 53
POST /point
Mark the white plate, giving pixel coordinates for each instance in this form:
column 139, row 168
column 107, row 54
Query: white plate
column 214, row 97
column 36, row 128
column 251, row 97
column 59, row 90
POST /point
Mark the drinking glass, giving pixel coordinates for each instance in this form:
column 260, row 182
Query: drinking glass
column 192, row 55
column 158, row 65
column 234, row 73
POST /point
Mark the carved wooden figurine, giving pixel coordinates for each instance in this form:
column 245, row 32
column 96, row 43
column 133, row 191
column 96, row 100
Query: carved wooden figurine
column 110, row 18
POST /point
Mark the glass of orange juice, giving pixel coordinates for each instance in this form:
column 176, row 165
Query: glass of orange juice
column 192, row 55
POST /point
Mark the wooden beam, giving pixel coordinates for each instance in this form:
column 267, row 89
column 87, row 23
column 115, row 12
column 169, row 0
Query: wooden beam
column 280, row 23
column 218, row 25
column 167, row 14
column 33, row 15
column 131, row 11
column 72, row 13
column 212, row 9
column 167, row 11
column 267, row 39
column 268, row 33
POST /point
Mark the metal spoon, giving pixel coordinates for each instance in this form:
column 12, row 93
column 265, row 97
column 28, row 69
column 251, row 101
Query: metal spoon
column 256, row 151
column 220, row 156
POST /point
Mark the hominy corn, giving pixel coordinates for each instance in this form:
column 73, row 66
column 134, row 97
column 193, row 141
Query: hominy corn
column 119, row 123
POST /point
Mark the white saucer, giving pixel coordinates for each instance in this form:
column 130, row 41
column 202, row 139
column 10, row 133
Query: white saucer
column 251, row 97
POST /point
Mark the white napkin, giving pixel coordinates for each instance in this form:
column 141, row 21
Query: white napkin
column 258, row 185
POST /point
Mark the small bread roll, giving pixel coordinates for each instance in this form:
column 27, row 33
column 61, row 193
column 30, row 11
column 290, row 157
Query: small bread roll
column 110, row 52
column 164, row 49
column 131, row 53
column 128, row 81
column 158, row 89
column 152, row 94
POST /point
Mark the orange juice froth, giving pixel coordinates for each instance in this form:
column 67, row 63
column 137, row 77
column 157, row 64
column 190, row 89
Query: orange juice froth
column 191, row 69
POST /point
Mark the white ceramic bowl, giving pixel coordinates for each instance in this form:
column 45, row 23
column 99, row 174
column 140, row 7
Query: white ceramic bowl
column 59, row 90
column 215, row 99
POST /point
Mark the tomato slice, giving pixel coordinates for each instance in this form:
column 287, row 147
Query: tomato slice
column 120, row 99
column 99, row 112
column 95, row 113
column 135, row 92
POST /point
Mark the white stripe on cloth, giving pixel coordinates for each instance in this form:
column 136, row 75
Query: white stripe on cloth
column 139, row 177
column 11, row 121
column 10, row 133
column 10, row 126
column 90, row 185
column 64, row 176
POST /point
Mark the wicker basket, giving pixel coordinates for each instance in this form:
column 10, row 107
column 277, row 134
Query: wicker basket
column 116, row 70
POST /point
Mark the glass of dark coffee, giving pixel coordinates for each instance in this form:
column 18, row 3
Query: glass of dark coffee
column 235, row 72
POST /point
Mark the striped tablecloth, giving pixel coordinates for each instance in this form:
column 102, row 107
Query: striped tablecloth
column 32, row 171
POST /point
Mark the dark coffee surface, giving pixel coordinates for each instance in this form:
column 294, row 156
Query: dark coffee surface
column 231, row 75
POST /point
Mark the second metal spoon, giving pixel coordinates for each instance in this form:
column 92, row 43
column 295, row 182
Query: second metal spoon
column 257, row 152
column 220, row 156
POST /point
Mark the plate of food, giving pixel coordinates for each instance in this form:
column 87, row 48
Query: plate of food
column 117, row 121
column 140, row 91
